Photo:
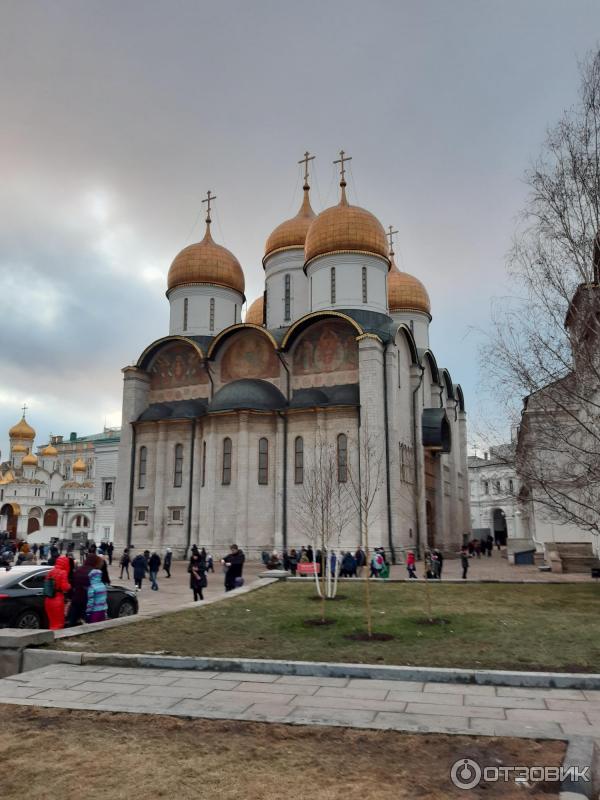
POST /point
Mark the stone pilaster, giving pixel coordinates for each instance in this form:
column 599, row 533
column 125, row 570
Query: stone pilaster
column 160, row 477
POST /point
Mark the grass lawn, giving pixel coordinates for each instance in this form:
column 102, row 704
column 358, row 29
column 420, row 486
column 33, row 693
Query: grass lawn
column 535, row 627
column 109, row 756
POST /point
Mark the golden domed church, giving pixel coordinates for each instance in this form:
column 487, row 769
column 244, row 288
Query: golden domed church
column 222, row 418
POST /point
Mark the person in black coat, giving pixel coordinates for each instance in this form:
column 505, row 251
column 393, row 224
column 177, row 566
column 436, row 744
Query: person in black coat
column 140, row 567
column 234, row 564
column 167, row 562
column 464, row 560
column 197, row 570
column 154, row 563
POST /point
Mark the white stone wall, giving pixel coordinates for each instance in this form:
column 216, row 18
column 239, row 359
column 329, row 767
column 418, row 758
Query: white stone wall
column 106, row 469
column 286, row 262
column 348, row 282
column 227, row 309
column 417, row 322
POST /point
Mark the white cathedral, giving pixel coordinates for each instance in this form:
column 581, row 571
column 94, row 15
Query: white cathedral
column 221, row 417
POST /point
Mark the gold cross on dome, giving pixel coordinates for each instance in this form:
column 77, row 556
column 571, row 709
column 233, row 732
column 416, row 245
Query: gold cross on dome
column 208, row 200
column 24, row 409
column 305, row 160
column 341, row 161
column 391, row 233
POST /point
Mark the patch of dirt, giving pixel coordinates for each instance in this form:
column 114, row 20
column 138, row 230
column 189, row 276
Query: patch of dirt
column 364, row 637
column 157, row 757
column 316, row 623
column 329, row 599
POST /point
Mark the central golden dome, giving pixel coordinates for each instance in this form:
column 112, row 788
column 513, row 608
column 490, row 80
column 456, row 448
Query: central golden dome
column 255, row 313
column 22, row 430
column 50, row 450
column 30, row 460
column 345, row 228
column 206, row 262
column 79, row 466
column 292, row 232
column 405, row 292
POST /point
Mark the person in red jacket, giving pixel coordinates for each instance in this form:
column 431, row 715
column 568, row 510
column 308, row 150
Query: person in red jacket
column 55, row 605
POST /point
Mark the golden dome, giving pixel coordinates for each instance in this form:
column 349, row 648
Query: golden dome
column 50, row 450
column 8, row 478
column 19, row 448
column 79, row 466
column 405, row 292
column 22, row 430
column 255, row 311
column 292, row 232
column 30, row 460
column 206, row 262
column 345, row 228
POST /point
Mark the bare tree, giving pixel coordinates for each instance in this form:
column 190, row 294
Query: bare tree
column 544, row 341
column 323, row 509
column 364, row 485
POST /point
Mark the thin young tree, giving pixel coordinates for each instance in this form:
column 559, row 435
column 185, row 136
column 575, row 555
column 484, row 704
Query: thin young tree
column 323, row 510
column 363, row 487
column 545, row 340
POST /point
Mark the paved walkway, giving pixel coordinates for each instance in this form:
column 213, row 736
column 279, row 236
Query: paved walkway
column 362, row 703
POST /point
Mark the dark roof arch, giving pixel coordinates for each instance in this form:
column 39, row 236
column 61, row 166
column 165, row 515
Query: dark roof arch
column 251, row 394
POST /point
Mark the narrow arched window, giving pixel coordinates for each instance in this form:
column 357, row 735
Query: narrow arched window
column 185, row 314
column 332, row 279
column 226, row 478
column 235, row 314
column 299, row 460
column 288, row 298
column 178, row 473
column 342, row 457
column 263, row 461
column 364, row 284
column 212, row 314
column 143, row 459
column 203, row 463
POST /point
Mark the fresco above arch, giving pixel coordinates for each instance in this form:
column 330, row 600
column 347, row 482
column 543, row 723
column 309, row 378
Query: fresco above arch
column 177, row 373
column 249, row 355
column 326, row 347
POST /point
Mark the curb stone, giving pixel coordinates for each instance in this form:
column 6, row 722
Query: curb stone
column 545, row 680
column 580, row 753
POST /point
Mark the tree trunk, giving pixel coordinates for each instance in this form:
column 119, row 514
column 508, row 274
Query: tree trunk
column 323, row 597
column 368, row 584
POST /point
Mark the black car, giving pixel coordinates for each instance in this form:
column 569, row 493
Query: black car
column 22, row 598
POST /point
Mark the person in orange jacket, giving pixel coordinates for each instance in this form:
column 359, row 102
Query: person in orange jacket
column 55, row 586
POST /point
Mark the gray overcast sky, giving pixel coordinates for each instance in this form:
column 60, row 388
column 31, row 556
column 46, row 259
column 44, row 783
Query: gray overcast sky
column 116, row 116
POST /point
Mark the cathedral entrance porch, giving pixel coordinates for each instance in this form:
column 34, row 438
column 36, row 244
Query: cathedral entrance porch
column 10, row 513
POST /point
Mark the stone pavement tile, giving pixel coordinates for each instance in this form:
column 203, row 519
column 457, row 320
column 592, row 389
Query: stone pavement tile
column 428, row 697
column 200, row 674
column 556, row 694
column 331, row 716
column 423, row 723
column 455, row 711
column 533, row 716
column 175, row 691
column 64, row 695
column 109, row 686
column 462, row 688
column 498, row 727
column 593, row 695
column 356, row 693
column 210, row 684
column 306, row 680
column 276, row 688
column 147, row 680
column 347, row 703
column 157, row 704
column 402, row 686
column 579, row 729
column 507, row 702
column 248, row 676
column 8, row 690
column 206, row 706
column 268, row 711
column 248, row 697
column 53, row 683
column 573, row 705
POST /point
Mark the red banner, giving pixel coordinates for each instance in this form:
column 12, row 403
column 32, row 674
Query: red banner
column 309, row 569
